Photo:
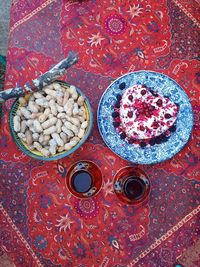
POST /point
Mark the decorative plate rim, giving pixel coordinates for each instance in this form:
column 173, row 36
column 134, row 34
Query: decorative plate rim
column 139, row 162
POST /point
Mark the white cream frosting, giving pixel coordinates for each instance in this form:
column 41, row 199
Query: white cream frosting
column 139, row 126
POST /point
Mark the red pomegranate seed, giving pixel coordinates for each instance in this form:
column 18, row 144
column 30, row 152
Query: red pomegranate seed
column 130, row 114
column 145, row 105
column 167, row 116
column 159, row 102
column 155, row 124
column 131, row 140
column 143, row 92
column 151, row 108
column 130, row 97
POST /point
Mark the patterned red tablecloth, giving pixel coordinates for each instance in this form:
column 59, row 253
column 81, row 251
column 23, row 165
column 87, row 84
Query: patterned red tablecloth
column 43, row 225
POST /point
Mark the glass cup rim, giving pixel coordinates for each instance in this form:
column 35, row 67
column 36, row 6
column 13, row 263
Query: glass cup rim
column 121, row 195
column 68, row 178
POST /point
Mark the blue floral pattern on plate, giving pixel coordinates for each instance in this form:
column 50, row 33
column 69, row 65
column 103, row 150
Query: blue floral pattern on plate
column 149, row 155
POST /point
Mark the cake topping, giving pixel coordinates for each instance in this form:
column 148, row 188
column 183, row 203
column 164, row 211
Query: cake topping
column 122, row 85
column 167, row 116
column 143, row 144
column 143, row 92
column 116, row 124
column 159, row 102
column 115, row 114
column 119, row 97
column 130, row 114
column 173, row 128
column 122, row 135
column 117, row 104
column 130, row 97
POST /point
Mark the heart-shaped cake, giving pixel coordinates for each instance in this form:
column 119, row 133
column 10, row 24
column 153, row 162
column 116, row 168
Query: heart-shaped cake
column 143, row 115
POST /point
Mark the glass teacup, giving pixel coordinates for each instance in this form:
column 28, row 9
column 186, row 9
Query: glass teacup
column 131, row 185
column 84, row 179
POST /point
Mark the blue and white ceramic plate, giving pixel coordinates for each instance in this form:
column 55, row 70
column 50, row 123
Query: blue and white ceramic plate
column 159, row 152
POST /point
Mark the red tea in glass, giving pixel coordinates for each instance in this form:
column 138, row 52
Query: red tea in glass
column 84, row 179
column 131, row 185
